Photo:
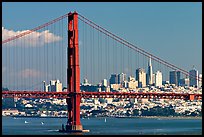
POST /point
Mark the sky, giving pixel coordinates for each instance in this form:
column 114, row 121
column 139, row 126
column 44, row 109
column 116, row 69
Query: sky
column 169, row 30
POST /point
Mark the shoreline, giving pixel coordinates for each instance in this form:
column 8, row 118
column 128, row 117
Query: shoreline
column 148, row 117
column 172, row 117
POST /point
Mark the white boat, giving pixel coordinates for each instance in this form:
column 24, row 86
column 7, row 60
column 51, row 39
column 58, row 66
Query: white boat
column 105, row 120
column 42, row 123
column 26, row 122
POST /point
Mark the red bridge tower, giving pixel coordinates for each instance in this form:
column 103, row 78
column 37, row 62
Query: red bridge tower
column 73, row 76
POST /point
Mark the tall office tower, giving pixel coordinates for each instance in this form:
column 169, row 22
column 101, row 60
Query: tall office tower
column 104, row 82
column 121, row 78
column 153, row 78
column 141, row 77
column 58, row 86
column 175, row 77
column 158, row 79
column 52, row 86
column 193, row 77
column 184, row 82
column 55, row 85
column 45, row 87
column 113, row 79
column 200, row 80
column 149, row 73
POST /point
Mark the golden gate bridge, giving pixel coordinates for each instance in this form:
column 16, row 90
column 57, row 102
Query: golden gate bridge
column 97, row 48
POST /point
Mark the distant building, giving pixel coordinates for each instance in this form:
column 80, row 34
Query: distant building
column 85, row 82
column 8, row 103
column 175, row 77
column 158, row 79
column 121, row 78
column 125, row 84
column 184, row 82
column 141, row 77
column 200, row 80
column 193, row 77
column 149, row 73
column 113, row 79
column 153, row 78
column 114, row 87
column 54, row 86
column 132, row 83
column 90, row 88
column 58, row 86
column 104, row 82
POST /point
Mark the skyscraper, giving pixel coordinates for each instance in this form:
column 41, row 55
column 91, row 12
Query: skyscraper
column 121, row 78
column 149, row 73
column 200, row 80
column 193, row 77
column 104, row 82
column 158, row 79
column 175, row 77
column 54, row 86
column 141, row 77
column 113, row 79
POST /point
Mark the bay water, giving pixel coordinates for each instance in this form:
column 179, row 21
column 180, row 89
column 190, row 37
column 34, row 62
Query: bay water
column 103, row 126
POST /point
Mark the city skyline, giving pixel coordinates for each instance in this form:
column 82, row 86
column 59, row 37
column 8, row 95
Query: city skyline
column 170, row 30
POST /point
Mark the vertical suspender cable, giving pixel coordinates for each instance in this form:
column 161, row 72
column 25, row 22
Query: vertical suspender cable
column 52, row 53
column 54, row 43
column 44, row 65
column 93, row 58
column 83, row 50
column 98, row 66
column 62, row 55
column 46, row 37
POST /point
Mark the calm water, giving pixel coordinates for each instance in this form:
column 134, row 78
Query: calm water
column 98, row 126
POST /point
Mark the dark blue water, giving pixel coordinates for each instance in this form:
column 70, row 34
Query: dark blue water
column 98, row 126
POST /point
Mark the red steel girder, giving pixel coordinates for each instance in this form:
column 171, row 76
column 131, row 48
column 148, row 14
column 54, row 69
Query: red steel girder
column 87, row 94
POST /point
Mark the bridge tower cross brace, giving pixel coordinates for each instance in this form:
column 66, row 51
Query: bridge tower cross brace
column 73, row 75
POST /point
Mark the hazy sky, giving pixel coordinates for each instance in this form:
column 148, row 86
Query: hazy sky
column 171, row 31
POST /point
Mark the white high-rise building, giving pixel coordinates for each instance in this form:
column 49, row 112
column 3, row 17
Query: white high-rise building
column 58, row 86
column 141, row 77
column 55, row 85
column 193, row 77
column 104, row 82
column 149, row 73
column 200, row 80
column 132, row 83
column 158, row 79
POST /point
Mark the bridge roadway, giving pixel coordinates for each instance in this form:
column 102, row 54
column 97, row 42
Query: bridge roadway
column 86, row 94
